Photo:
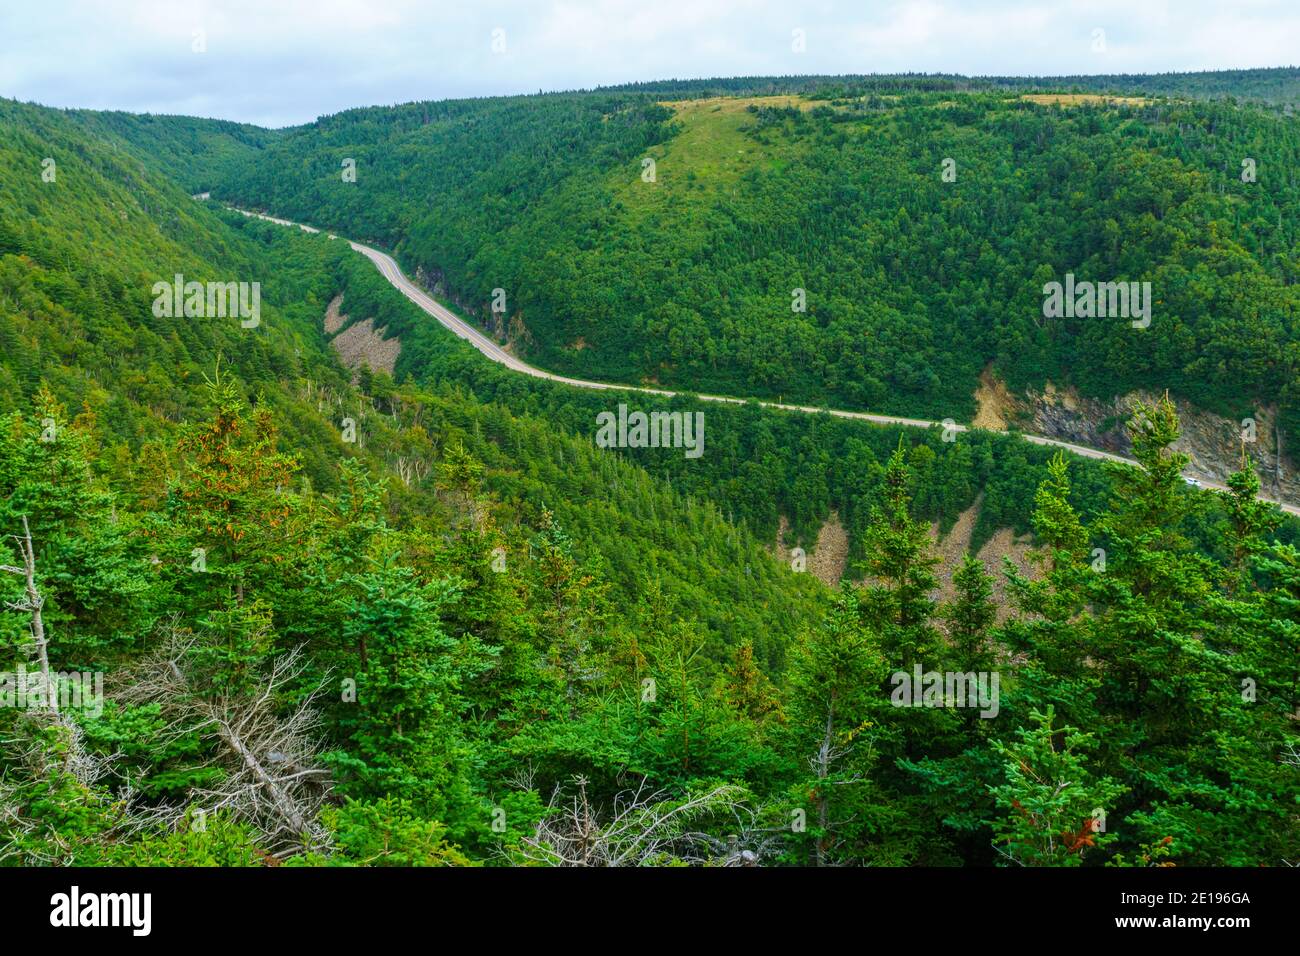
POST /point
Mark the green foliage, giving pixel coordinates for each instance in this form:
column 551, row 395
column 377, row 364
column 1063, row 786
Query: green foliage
column 913, row 284
column 492, row 614
column 387, row 833
column 1054, row 809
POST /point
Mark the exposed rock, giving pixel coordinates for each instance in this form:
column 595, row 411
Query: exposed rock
column 1005, row 544
column 829, row 556
column 333, row 318
column 997, row 406
column 831, row 553
column 952, row 549
column 1213, row 441
column 360, row 343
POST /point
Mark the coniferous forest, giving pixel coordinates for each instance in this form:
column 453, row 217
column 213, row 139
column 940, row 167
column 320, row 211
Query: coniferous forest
column 267, row 602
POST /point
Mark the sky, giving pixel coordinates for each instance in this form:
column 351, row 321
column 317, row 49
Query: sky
column 281, row 62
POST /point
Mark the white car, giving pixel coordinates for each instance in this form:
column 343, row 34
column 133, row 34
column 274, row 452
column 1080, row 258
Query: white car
column 1192, row 481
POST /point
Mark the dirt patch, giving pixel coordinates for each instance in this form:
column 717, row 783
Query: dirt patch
column 779, row 549
column 830, row 555
column 334, row 319
column 952, row 548
column 362, row 344
column 1005, row 544
column 997, row 406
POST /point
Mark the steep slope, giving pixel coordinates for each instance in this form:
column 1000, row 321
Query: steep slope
column 81, row 252
column 859, row 244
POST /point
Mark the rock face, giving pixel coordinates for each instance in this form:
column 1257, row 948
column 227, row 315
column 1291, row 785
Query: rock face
column 507, row 330
column 435, row 284
column 360, row 343
column 1213, row 441
column 829, row 555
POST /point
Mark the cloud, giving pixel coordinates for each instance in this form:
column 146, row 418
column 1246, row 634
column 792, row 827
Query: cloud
column 288, row 62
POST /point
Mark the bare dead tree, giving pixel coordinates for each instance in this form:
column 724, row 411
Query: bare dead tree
column 642, row 827
column 31, row 603
column 73, row 756
column 829, row 755
column 522, row 778
column 31, row 752
column 272, row 779
column 750, row 847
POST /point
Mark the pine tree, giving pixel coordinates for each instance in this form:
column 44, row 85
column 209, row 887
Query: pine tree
column 748, row 689
column 970, row 615
column 1054, row 807
column 900, row 566
column 835, row 676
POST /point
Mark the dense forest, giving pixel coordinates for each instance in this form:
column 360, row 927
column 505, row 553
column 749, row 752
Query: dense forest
column 862, row 246
column 352, row 618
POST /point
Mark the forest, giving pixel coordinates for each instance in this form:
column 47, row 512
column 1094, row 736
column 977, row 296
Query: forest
column 833, row 245
column 351, row 618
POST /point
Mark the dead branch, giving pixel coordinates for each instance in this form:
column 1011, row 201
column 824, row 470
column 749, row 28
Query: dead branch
column 643, row 827
column 272, row 779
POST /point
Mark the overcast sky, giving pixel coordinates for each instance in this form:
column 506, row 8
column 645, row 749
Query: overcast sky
column 277, row 62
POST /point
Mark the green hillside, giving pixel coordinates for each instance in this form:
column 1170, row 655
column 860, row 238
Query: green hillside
column 811, row 248
column 168, row 434
column 345, row 618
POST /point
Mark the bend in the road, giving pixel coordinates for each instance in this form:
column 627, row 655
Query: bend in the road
column 391, row 271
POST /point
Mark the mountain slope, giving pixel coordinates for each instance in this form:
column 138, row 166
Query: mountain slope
column 812, row 249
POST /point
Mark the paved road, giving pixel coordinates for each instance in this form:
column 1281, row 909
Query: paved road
column 393, row 273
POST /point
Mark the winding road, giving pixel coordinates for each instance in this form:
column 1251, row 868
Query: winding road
column 387, row 265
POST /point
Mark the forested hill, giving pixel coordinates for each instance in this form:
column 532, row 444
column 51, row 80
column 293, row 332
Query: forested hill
column 192, row 483
column 870, row 244
column 1272, row 85
column 188, row 150
column 328, row 615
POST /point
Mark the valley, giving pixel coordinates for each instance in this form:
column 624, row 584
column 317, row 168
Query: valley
column 717, row 412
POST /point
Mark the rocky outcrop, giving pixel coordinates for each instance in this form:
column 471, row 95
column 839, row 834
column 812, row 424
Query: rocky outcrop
column 1214, row 443
column 507, row 329
column 360, row 343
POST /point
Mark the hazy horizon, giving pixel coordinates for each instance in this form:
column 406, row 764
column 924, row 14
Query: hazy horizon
column 289, row 63
column 659, row 80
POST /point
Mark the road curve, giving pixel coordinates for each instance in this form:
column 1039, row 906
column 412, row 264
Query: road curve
column 449, row 320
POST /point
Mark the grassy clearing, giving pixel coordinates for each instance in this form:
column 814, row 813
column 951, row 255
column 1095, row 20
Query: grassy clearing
column 1080, row 99
column 711, row 152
